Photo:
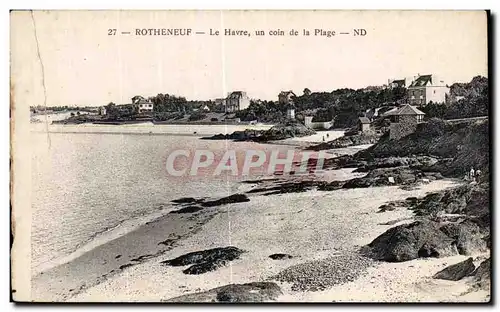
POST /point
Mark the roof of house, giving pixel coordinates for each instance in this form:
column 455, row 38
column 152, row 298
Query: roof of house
column 390, row 112
column 421, row 81
column 400, row 82
column 407, row 109
column 236, row 95
column 364, row 120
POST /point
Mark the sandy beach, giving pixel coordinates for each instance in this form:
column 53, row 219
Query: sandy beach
column 310, row 226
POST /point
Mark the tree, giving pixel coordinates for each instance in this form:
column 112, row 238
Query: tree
column 307, row 92
column 136, row 99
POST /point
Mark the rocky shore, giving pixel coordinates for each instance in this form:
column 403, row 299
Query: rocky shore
column 403, row 219
column 361, row 138
column 285, row 130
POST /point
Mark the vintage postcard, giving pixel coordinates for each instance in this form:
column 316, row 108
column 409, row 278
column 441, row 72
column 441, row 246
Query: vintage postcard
column 250, row 156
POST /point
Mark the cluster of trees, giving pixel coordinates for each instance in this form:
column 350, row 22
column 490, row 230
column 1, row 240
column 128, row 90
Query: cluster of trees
column 475, row 101
column 263, row 111
column 121, row 112
column 344, row 106
column 176, row 104
column 169, row 103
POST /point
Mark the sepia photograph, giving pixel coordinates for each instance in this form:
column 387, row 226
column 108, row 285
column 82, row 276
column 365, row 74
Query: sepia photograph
column 228, row 156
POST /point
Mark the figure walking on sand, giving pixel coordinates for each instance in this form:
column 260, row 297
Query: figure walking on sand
column 323, row 138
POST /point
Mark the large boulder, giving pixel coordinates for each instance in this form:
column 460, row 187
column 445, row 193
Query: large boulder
column 457, row 271
column 410, row 241
column 250, row 292
column 483, row 274
column 467, row 237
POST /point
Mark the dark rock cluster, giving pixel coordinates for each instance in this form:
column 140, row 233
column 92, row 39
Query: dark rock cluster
column 206, row 260
column 233, row 293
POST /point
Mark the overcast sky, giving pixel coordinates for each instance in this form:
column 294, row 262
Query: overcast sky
column 83, row 65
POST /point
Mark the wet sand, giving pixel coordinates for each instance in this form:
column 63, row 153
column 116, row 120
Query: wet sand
column 104, row 261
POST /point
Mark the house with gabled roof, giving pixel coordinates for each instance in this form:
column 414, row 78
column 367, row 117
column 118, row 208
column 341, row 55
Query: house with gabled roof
column 427, row 88
column 236, row 101
column 404, row 121
column 397, row 83
column 363, row 124
column 286, row 97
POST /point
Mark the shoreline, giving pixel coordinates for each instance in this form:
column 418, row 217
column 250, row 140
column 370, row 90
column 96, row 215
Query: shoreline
column 145, row 129
column 98, row 264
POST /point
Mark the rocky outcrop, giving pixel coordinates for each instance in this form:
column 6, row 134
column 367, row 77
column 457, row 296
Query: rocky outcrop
column 458, row 146
column 280, row 256
column 391, row 176
column 416, row 162
column 482, row 276
column 245, row 135
column 410, row 241
column 286, row 130
column 362, row 138
column 467, row 236
column 457, row 271
column 249, row 292
column 231, row 199
column 205, row 260
column 190, row 203
column 471, row 200
column 188, row 209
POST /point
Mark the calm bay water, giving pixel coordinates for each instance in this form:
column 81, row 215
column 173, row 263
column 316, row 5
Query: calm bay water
column 84, row 184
